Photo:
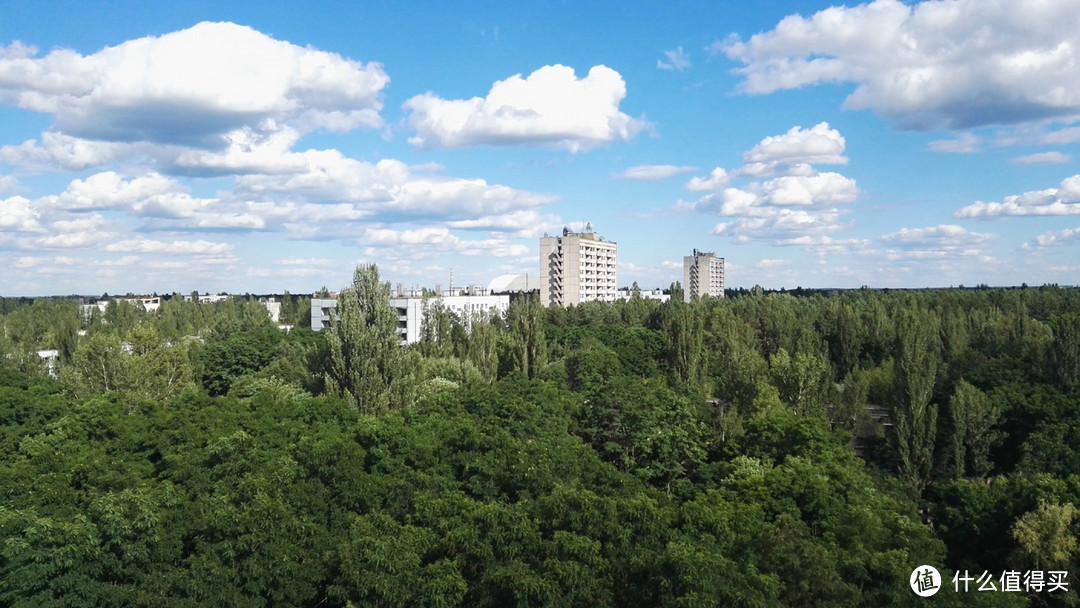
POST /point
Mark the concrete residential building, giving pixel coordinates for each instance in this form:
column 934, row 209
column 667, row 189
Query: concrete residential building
column 577, row 267
column 411, row 306
column 646, row 294
column 703, row 275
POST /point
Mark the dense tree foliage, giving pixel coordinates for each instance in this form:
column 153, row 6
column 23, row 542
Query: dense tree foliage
column 627, row 454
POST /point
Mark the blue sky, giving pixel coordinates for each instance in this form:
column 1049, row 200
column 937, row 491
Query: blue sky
column 259, row 147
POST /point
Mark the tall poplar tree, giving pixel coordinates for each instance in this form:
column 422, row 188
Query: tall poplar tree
column 684, row 329
column 366, row 364
column 973, row 420
column 917, row 354
column 526, row 320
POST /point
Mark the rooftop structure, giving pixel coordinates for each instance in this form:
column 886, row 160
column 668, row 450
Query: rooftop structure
column 514, row 283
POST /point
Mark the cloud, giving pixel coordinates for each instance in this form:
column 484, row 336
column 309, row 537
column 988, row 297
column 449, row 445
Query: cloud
column 793, row 152
column 677, row 60
column 200, row 247
column 1052, row 158
column 768, row 264
column 26, row 262
column 653, row 172
column 953, row 65
column 523, row 220
column 717, row 179
column 1062, row 136
column 432, row 242
column 779, row 225
column 965, row 144
column 108, row 190
column 17, row 215
column 550, row 107
column 946, row 235
column 942, row 242
column 1063, row 200
column 798, row 202
column 192, row 87
column 57, row 150
column 1056, row 237
column 387, row 187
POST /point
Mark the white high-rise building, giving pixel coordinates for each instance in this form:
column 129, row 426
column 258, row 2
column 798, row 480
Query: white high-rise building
column 577, row 267
column 703, row 275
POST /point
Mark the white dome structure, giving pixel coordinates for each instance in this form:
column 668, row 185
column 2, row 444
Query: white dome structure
column 513, row 283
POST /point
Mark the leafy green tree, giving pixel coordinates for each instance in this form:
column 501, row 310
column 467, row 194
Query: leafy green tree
column 366, row 358
column 643, row 427
column 1065, row 349
column 97, row 366
column 804, row 381
column 974, row 422
column 242, row 352
column 1046, row 536
column 122, row 316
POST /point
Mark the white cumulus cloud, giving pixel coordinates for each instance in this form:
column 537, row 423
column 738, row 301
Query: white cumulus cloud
column 943, row 235
column 1063, row 200
column 552, row 106
column 793, row 151
column 192, row 87
column 1058, row 237
column 716, row 179
column 934, row 64
column 798, row 206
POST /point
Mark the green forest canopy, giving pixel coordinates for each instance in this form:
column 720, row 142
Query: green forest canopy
column 626, row 454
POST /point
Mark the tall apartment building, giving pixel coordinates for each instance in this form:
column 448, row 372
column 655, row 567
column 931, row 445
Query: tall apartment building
column 577, row 267
column 703, row 275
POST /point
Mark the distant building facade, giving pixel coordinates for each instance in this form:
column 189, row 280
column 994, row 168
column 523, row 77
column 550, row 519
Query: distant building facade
column 207, row 298
column 273, row 308
column 703, row 275
column 645, row 294
column 577, row 267
column 411, row 307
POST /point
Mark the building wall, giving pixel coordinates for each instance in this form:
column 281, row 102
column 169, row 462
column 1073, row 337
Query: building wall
column 410, row 311
column 576, row 268
column 322, row 309
column 646, row 294
column 703, row 274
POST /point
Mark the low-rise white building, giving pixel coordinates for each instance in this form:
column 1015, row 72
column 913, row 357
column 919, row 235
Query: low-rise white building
column 411, row 307
column 208, row 298
column 646, row 294
column 273, row 308
column 51, row 358
column 149, row 303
